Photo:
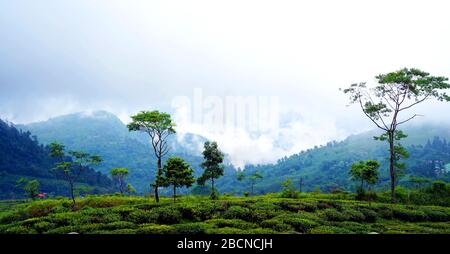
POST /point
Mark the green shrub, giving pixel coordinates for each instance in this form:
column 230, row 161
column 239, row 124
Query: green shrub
column 99, row 215
column 12, row 216
column 62, row 230
column 225, row 231
column 276, row 225
column 369, row 215
column 207, row 210
column 123, row 211
column 353, row 215
column 238, row 212
column 41, row 208
column 260, row 231
column 89, row 228
column 43, row 226
column 300, row 225
column 296, row 206
column 329, row 230
column 435, row 215
column 353, row 227
column 409, row 214
column 153, row 229
column 333, row 215
column 141, row 217
column 20, row 230
column 166, row 215
column 64, row 219
column 119, row 225
column 188, row 212
column 231, row 223
column 124, row 231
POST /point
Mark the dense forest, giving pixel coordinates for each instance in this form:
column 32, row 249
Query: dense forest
column 23, row 157
column 326, row 167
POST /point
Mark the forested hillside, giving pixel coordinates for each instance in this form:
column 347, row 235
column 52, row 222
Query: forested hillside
column 326, row 167
column 23, row 156
column 108, row 137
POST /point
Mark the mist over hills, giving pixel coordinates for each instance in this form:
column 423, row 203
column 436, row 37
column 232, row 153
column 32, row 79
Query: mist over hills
column 323, row 166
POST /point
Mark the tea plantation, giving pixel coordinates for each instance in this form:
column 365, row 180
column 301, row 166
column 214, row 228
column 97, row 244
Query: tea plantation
column 269, row 214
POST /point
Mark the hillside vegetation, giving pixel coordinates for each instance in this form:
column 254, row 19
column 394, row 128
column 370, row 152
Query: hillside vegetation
column 269, row 214
column 23, row 157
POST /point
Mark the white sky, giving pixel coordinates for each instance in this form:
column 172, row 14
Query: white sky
column 59, row 57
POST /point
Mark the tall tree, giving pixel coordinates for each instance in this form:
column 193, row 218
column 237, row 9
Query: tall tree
column 212, row 165
column 386, row 103
column 120, row 174
column 158, row 126
column 178, row 173
column 71, row 165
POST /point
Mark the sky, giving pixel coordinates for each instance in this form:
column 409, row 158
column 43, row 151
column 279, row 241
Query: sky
column 60, row 57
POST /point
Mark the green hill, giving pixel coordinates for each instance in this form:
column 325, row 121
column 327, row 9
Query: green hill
column 326, row 167
column 104, row 134
column 22, row 156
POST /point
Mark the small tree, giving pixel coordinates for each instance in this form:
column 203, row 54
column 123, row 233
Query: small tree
column 178, row 173
column 158, row 126
column 212, row 165
column 30, row 187
column 253, row 179
column 365, row 171
column 71, row 165
column 130, row 189
column 288, row 190
column 120, row 174
column 385, row 103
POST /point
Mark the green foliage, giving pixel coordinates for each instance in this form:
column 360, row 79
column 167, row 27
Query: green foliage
column 288, row 190
column 178, row 173
column 231, row 223
column 120, row 174
column 154, row 229
column 212, row 165
column 238, row 212
column 385, row 103
column 30, row 187
column 267, row 214
column 70, row 170
column 276, row 225
column 158, row 126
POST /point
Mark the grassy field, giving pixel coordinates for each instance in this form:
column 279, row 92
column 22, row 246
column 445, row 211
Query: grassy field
column 269, row 214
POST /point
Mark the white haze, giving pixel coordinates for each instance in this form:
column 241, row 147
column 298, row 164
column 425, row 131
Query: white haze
column 59, row 57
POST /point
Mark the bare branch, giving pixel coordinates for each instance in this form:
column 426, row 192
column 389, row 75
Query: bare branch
column 412, row 117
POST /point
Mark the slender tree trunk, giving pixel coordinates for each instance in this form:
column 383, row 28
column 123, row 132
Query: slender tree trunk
column 158, row 175
column 72, row 194
column 121, row 186
column 174, row 193
column 212, row 186
column 392, row 164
